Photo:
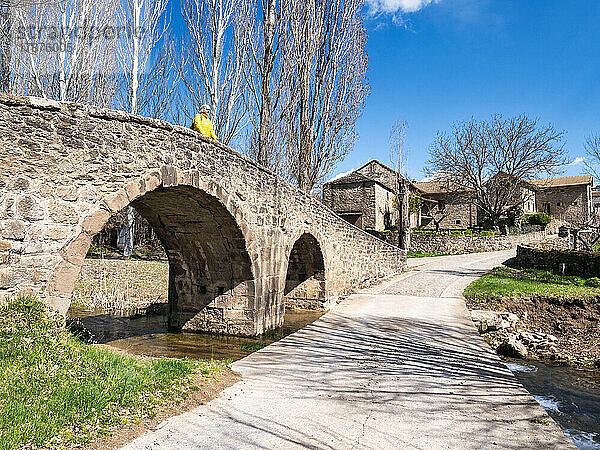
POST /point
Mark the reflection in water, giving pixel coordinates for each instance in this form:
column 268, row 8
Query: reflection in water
column 571, row 397
column 140, row 334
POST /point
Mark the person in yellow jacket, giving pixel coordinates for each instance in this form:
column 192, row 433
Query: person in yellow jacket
column 202, row 123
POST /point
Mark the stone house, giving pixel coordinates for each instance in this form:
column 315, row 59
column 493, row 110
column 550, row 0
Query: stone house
column 515, row 191
column 596, row 201
column 366, row 197
column 567, row 199
column 446, row 206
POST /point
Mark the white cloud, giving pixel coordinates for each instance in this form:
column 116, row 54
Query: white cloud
column 577, row 161
column 397, row 6
column 340, row 175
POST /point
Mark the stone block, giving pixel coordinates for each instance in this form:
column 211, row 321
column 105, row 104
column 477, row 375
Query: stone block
column 63, row 213
column 116, row 201
column 152, row 181
column 29, row 208
column 94, row 222
column 135, row 188
column 67, row 193
column 75, row 251
column 57, row 232
column 63, row 279
column 12, row 229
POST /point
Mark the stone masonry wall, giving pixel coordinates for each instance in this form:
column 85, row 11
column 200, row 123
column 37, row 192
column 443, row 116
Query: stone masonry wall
column 574, row 202
column 456, row 245
column 562, row 262
column 454, row 210
column 354, row 197
column 228, row 225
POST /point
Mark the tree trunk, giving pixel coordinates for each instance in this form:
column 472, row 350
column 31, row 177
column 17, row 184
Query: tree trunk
column 5, row 53
column 404, row 228
column 267, row 70
column 305, row 147
column 135, row 57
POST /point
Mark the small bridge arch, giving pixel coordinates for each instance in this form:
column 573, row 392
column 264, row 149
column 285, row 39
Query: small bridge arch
column 228, row 224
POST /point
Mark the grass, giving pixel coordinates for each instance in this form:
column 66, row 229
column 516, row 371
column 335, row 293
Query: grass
column 56, row 391
column 540, row 421
column 411, row 254
column 254, row 346
column 121, row 284
column 504, row 282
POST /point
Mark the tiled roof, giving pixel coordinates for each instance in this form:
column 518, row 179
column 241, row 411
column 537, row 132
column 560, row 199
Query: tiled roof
column 353, row 177
column 563, row 181
column 357, row 177
column 439, row 187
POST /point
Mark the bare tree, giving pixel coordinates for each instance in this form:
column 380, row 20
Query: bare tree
column 494, row 159
column 5, row 44
column 592, row 147
column 264, row 78
column 399, row 158
column 146, row 24
column 325, row 63
column 64, row 50
column 215, row 61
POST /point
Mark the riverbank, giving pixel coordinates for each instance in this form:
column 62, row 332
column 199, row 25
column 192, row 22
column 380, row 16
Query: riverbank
column 121, row 284
column 558, row 316
column 57, row 392
column 570, row 396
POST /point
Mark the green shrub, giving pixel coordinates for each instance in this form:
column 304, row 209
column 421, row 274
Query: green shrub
column 540, row 218
column 592, row 282
column 486, row 233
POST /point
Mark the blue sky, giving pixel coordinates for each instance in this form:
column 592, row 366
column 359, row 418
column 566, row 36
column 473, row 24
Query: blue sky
column 433, row 63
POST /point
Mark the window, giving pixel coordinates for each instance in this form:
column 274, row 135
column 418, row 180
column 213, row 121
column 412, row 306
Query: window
column 562, row 190
column 558, row 204
column 457, row 221
column 574, row 203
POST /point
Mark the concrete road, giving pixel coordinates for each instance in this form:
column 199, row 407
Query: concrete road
column 400, row 366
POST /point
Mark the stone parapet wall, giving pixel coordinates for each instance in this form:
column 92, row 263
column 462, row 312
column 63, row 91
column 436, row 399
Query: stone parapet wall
column 562, row 262
column 456, row 245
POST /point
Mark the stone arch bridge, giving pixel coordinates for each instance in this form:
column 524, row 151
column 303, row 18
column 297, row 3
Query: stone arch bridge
column 240, row 240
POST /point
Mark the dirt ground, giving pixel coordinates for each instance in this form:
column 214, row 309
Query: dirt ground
column 573, row 321
column 207, row 389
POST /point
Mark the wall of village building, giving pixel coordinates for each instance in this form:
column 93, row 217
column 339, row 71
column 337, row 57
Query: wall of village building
column 528, row 200
column 380, row 173
column 457, row 213
column 566, row 203
column 373, row 202
column 596, row 201
column 352, row 199
column 384, row 209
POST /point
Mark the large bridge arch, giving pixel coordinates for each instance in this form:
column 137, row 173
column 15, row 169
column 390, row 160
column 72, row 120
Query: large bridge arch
column 65, row 168
column 205, row 236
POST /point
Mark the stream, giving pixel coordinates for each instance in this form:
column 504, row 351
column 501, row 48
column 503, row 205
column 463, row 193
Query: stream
column 147, row 335
column 570, row 396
